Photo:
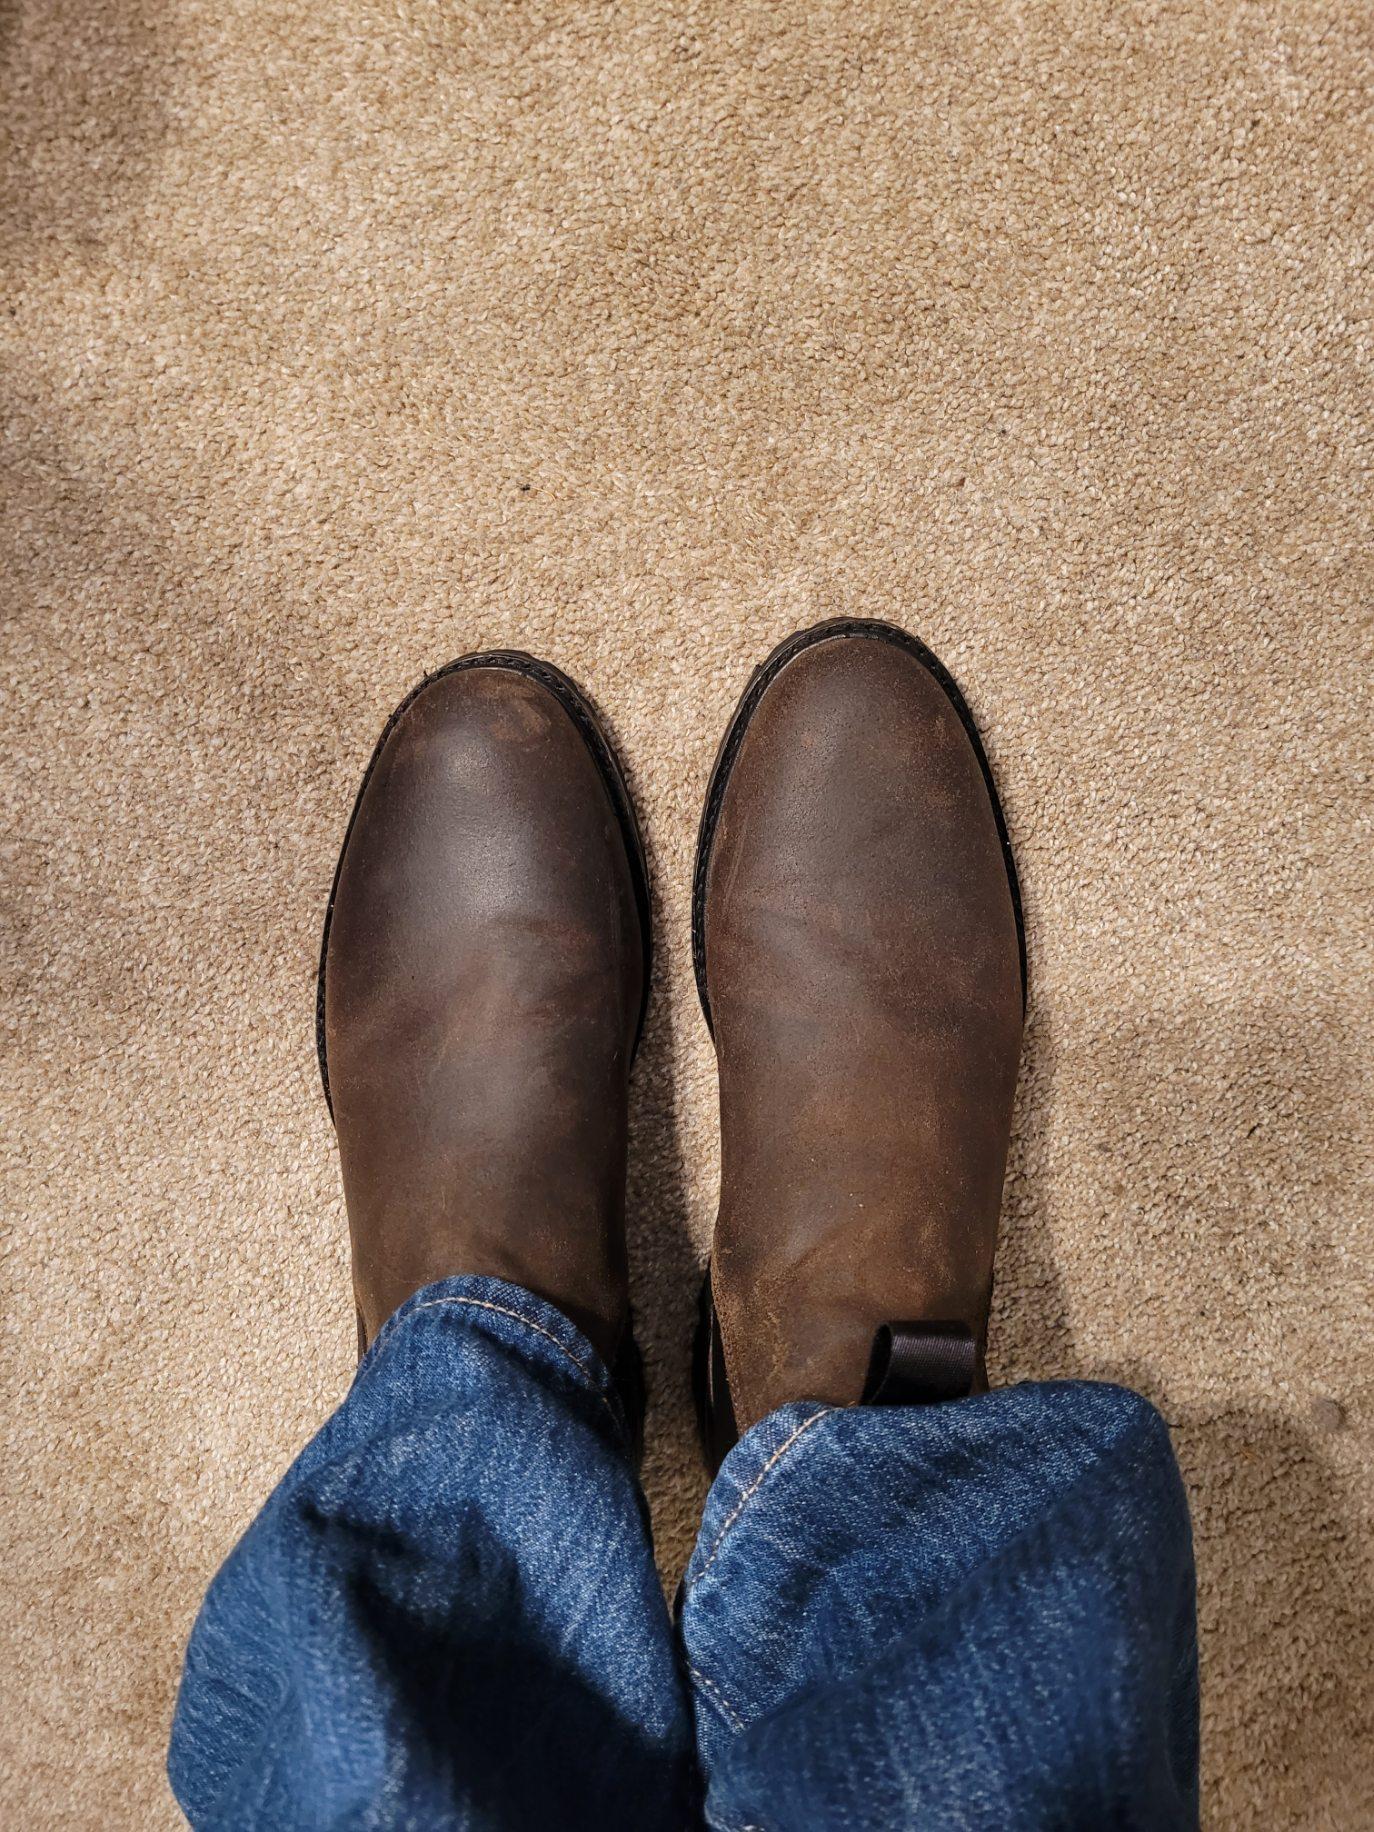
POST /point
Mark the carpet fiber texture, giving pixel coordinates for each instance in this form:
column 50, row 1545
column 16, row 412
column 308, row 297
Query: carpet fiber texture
column 341, row 339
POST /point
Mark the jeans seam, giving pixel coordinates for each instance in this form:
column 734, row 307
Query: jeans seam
column 749, row 1493
column 504, row 1310
column 736, row 1721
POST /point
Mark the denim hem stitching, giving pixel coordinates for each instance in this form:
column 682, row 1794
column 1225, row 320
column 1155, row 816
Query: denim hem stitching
column 719, row 1698
column 503, row 1310
column 750, row 1492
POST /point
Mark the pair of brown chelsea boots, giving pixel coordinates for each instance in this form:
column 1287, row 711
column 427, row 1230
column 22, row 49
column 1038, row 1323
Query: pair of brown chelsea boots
column 859, row 953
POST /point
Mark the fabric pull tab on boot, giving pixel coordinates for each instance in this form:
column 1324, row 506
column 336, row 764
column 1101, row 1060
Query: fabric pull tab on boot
column 916, row 1364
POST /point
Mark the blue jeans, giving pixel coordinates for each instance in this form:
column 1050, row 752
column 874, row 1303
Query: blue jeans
column 978, row 1614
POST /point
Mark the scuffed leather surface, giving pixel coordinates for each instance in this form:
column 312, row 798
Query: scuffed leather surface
column 865, row 984
column 483, row 979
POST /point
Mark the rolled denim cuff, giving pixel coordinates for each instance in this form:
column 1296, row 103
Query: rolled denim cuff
column 546, row 1341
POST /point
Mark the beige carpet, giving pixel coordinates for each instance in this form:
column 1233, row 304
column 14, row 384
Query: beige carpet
column 340, row 339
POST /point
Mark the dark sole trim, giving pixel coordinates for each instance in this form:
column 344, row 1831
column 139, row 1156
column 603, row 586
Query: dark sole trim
column 715, row 1411
column 579, row 708
column 627, row 1373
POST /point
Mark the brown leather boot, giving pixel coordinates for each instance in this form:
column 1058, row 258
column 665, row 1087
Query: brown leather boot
column 859, row 955
column 482, row 986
